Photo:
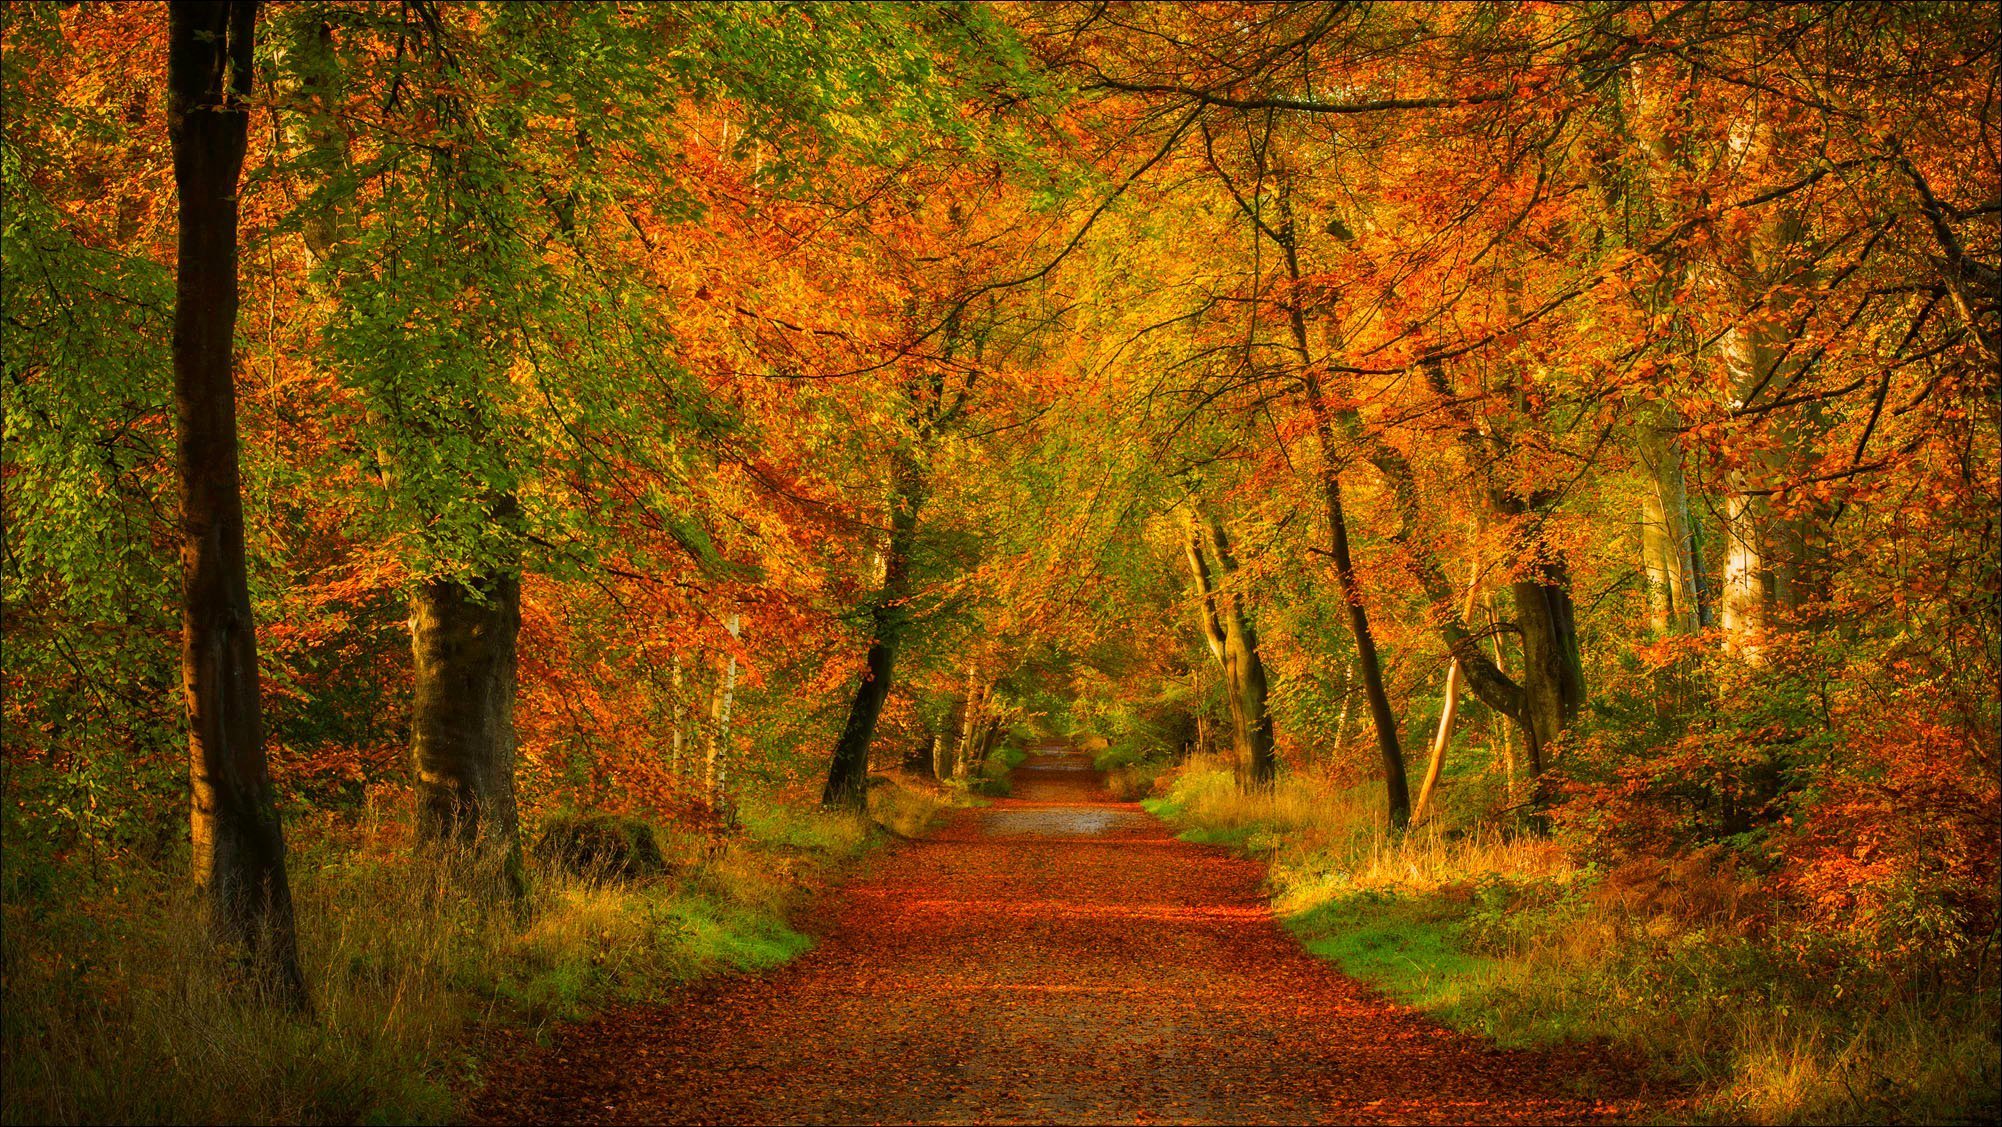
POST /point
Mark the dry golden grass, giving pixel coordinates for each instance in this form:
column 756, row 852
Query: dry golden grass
column 1507, row 934
column 117, row 1012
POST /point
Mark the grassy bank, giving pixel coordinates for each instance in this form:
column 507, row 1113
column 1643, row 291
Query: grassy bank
column 1507, row 935
column 114, row 1014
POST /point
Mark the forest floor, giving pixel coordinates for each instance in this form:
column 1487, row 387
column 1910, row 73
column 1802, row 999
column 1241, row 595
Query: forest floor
column 1053, row 957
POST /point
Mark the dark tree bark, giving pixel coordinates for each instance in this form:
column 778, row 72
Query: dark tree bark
column 1396, row 783
column 462, row 736
column 239, row 846
column 848, row 773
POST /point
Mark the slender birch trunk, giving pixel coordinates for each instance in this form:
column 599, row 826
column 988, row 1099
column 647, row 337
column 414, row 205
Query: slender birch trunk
column 717, row 760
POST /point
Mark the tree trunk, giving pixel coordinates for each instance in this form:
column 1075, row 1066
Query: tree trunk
column 677, row 744
column 1209, row 619
column 941, row 763
column 239, row 845
column 1245, row 671
column 462, row 735
column 969, row 723
column 1348, row 696
column 717, row 760
column 1439, row 741
column 1553, row 686
column 1654, row 565
column 848, row 771
column 1396, row 787
column 1447, row 710
column 1668, row 499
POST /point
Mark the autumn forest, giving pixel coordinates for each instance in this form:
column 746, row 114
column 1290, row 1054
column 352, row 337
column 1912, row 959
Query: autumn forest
column 1001, row 562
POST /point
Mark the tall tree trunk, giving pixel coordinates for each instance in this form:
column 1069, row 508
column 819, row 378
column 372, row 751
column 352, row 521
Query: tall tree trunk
column 239, row 845
column 462, row 734
column 1654, row 565
column 848, row 770
column 1667, row 504
column 1247, row 685
column 717, row 760
column 941, row 761
column 1553, row 683
column 1504, row 737
column 1396, row 787
column 1210, row 620
column 677, row 744
column 969, row 723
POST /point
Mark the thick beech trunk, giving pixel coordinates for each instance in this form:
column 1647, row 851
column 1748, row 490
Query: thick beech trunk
column 1553, row 684
column 239, row 846
column 848, row 770
column 462, row 735
column 1666, row 521
column 1234, row 638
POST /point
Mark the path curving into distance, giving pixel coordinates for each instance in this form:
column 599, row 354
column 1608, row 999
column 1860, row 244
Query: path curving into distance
column 1055, row 957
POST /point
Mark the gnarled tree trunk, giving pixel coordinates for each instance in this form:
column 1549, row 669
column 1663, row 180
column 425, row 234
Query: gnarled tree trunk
column 239, row 845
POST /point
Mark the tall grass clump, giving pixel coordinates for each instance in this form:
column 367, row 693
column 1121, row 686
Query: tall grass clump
column 117, row 1011
column 1683, row 961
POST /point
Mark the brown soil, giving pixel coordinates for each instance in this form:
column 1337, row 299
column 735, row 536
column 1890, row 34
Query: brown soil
column 1055, row 957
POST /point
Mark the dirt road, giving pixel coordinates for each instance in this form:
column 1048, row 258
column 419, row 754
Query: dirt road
column 1055, row 957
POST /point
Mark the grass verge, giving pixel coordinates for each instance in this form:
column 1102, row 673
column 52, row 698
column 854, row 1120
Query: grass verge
column 116, row 1012
column 1508, row 936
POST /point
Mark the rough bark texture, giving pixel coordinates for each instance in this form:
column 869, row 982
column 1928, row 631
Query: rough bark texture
column 848, row 772
column 1667, row 506
column 462, row 736
column 239, row 846
column 1553, row 684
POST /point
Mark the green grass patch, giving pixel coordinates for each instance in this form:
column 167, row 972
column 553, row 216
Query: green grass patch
column 1411, row 948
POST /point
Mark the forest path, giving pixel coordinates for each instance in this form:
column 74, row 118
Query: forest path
column 1053, row 957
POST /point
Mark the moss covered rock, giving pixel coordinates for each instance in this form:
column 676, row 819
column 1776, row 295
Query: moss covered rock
column 602, row 847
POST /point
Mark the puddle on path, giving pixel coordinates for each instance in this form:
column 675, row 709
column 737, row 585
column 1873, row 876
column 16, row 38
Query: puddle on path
column 1060, row 821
